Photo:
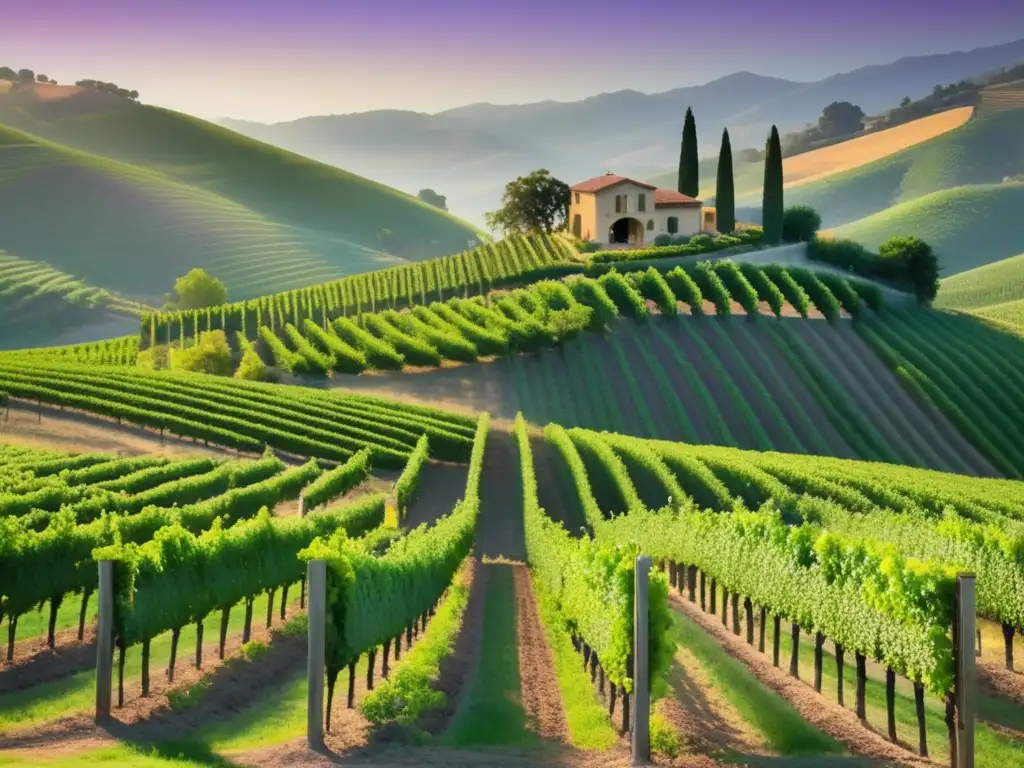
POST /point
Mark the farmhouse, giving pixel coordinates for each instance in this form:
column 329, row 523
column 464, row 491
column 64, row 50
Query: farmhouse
column 614, row 210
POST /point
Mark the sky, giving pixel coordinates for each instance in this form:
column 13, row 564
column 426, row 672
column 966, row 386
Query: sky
column 274, row 60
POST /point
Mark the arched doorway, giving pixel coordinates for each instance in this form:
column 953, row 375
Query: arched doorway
column 626, row 230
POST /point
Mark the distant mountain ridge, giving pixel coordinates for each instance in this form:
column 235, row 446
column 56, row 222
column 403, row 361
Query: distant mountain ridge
column 468, row 153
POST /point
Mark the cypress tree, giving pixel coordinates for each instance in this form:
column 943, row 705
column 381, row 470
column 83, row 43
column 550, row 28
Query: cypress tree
column 772, row 203
column 689, row 179
column 725, row 193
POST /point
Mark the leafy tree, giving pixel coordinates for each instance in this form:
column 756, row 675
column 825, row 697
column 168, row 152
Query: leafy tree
column 430, row 197
column 689, row 174
column 725, row 192
column 26, row 75
column 210, row 354
column 6, row 73
column 772, row 199
column 841, row 118
column 197, row 289
column 41, row 78
column 537, row 202
column 913, row 265
column 800, row 224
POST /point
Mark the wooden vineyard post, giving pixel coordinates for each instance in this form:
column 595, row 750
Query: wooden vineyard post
column 966, row 683
column 641, row 685
column 302, row 506
column 317, row 621
column 105, row 639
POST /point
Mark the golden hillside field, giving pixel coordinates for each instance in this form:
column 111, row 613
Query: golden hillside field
column 5, row 86
column 811, row 166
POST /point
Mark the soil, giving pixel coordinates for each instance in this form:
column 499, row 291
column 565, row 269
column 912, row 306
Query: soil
column 60, row 430
column 541, row 696
column 456, row 668
column 441, row 486
column 840, row 723
column 702, row 717
column 36, row 663
column 152, row 718
column 500, row 525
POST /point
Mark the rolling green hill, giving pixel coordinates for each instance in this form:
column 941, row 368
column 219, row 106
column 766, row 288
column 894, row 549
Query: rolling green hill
column 968, row 226
column 985, row 150
column 150, row 193
column 995, row 291
column 38, row 302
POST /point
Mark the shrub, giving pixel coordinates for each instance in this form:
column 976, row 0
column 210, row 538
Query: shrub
column 591, row 293
column 912, row 264
column 800, row 224
column 738, row 285
column 652, row 286
column 251, row 367
column 817, row 291
column 686, row 290
column 767, row 290
column 711, row 287
column 660, row 241
column 211, row 354
column 626, row 297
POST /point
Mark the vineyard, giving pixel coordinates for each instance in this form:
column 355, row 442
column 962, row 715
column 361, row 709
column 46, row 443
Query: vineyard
column 35, row 299
column 860, row 555
column 462, row 546
column 511, row 262
column 799, row 387
column 539, row 316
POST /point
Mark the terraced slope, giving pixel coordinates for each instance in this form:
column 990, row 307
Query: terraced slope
column 968, row 226
column 995, row 291
column 823, row 163
column 134, row 231
column 971, row 372
column 802, row 386
column 38, row 301
column 159, row 191
column 985, row 150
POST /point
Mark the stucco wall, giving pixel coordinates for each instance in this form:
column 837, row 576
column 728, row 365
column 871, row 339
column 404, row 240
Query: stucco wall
column 597, row 213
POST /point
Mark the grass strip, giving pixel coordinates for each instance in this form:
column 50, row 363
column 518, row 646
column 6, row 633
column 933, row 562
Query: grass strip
column 589, row 726
column 784, row 730
column 492, row 712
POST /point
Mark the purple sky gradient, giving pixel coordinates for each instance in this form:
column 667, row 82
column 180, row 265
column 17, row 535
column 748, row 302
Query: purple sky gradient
column 269, row 61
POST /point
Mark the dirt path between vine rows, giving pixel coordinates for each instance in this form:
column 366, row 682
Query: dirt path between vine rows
column 441, row 486
column 151, row 718
column 541, row 696
column 89, row 433
column 828, row 717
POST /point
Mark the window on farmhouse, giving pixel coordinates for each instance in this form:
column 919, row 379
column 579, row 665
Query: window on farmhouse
column 618, row 203
column 650, row 224
column 577, row 198
column 673, row 225
column 641, row 203
column 577, row 225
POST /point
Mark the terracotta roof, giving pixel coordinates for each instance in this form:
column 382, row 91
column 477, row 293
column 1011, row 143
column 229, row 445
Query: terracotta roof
column 599, row 183
column 669, row 197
